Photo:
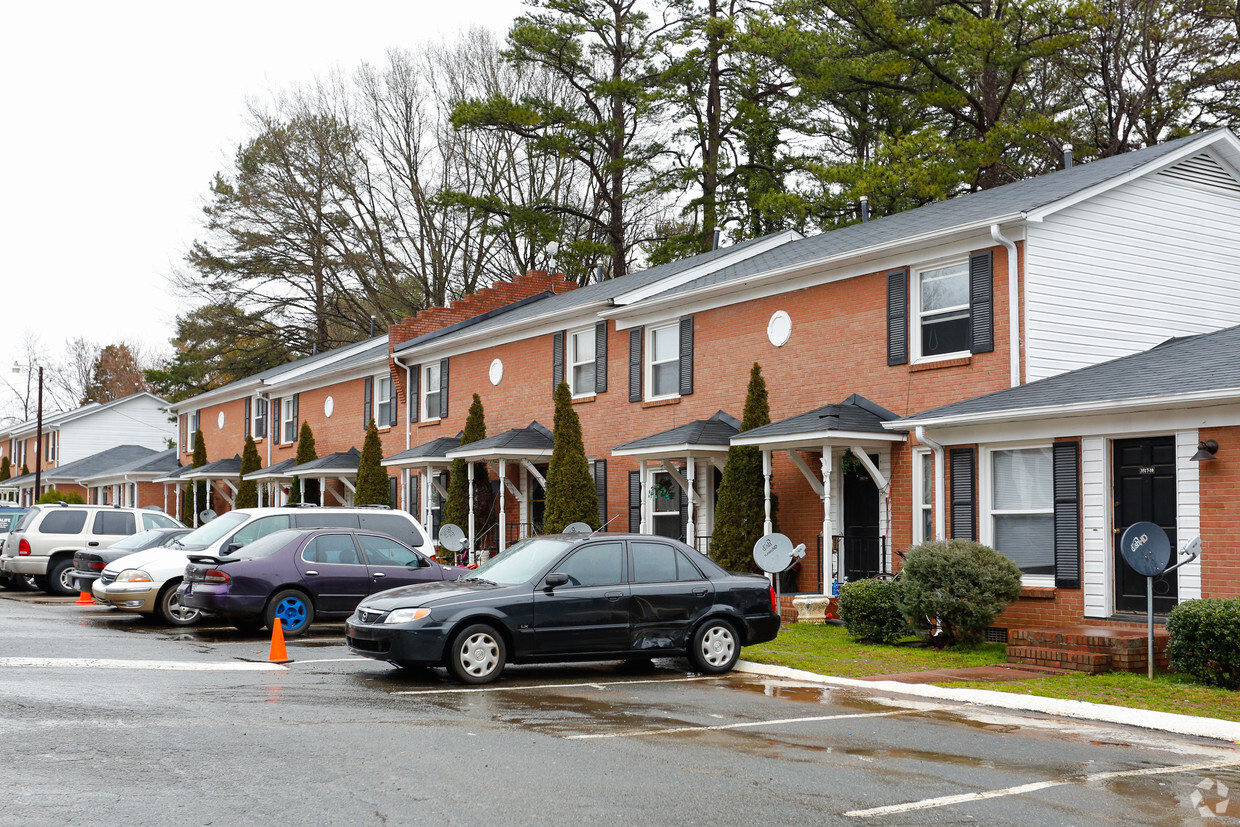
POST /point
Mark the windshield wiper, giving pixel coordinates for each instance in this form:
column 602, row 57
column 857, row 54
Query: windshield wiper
column 478, row 580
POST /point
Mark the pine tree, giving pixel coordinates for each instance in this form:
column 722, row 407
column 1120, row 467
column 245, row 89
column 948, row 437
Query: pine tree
column 305, row 453
column 247, row 490
column 571, row 495
column 456, row 507
column 188, row 513
column 25, row 470
column 372, row 480
column 741, row 511
column 6, row 469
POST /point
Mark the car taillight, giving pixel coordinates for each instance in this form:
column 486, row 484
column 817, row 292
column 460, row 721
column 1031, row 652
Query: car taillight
column 23, row 547
column 216, row 576
column 774, row 605
column 97, row 566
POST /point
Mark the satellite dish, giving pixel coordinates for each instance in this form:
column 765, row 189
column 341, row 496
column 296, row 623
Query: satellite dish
column 451, row 537
column 1146, row 548
column 577, row 528
column 206, row 515
column 774, row 553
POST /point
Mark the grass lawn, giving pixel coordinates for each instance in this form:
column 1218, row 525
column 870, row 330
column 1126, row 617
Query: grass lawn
column 827, row 650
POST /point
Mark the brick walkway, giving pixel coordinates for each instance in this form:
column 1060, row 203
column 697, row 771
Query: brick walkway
column 971, row 673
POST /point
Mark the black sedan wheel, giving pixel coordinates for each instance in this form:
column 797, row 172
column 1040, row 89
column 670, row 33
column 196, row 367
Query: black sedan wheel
column 477, row 654
column 715, row 648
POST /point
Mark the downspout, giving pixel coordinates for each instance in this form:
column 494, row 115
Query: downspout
column 1013, row 263
column 939, row 480
column 409, row 400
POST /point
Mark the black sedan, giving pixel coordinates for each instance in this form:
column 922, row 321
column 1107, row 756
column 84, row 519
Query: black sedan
column 88, row 564
column 570, row 598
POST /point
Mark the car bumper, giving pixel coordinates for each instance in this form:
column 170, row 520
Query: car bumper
column 396, row 642
column 221, row 602
column 85, row 579
column 761, row 628
column 129, row 597
column 24, row 565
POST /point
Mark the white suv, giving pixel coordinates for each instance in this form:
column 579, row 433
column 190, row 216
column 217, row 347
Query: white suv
column 146, row 582
column 44, row 540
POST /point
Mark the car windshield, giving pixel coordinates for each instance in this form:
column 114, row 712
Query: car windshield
column 202, row 537
column 521, row 563
column 265, row 546
column 137, row 541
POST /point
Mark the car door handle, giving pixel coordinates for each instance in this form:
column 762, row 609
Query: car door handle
column 311, row 573
column 93, row 543
column 613, row 596
column 380, row 574
column 699, row 592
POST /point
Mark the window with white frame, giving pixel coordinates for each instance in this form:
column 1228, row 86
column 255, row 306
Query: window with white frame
column 1022, row 508
column 383, row 401
column 923, row 496
column 430, row 392
column 663, row 362
column 289, row 417
column 581, row 362
column 665, row 505
column 258, row 424
column 941, row 311
column 194, row 425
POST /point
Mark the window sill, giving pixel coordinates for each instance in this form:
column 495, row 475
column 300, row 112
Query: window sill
column 384, row 428
column 584, row 398
column 426, row 423
column 954, row 362
column 1037, row 592
column 659, row 403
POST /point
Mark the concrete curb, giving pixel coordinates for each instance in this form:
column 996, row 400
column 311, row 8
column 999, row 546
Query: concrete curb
column 1104, row 713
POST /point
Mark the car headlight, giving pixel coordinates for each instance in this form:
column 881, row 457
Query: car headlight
column 406, row 615
column 133, row 576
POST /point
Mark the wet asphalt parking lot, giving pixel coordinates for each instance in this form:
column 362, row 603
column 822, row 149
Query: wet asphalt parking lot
column 108, row 719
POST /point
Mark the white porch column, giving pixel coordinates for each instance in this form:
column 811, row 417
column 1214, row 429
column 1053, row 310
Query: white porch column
column 503, row 513
column 178, row 499
column 643, row 474
column 524, row 512
column 301, row 488
column 831, row 565
column 472, row 551
column 691, row 526
column 194, row 487
column 767, row 525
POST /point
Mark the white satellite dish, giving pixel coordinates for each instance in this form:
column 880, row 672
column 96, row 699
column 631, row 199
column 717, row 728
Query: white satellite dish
column 206, row 515
column 577, row 528
column 774, row 553
column 451, row 537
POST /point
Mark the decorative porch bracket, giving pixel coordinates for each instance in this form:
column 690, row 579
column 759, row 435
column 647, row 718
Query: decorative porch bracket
column 868, row 463
column 437, row 485
column 675, row 474
column 529, row 466
column 810, row 477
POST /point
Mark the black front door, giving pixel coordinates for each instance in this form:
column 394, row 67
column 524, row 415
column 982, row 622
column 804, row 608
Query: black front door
column 1144, row 491
column 861, row 537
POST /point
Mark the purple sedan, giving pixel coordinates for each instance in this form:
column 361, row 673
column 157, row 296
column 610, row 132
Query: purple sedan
column 298, row 575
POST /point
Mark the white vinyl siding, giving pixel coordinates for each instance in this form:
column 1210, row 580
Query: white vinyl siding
column 141, row 420
column 1096, row 556
column 1128, row 269
column 1187, row 512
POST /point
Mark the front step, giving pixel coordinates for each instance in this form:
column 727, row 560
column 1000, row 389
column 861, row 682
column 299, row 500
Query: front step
column 1092, row 663
column 1122, row 648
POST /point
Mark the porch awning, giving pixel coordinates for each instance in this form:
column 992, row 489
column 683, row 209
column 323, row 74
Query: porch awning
column 275, row 471
column 218, row 470
column 856, row 420
column 531, row 442
column 433, row 453
column 17, row 482
column 152, row 468
column 175, row 475
column 339, row 464
column 699, row 438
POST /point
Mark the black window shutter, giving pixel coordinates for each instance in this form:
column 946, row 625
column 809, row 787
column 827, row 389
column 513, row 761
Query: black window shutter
column 274, row 410
column 686, row 356
column 413, row 394
column 557, row 360
column 635, row 364
column 1066, row 460
column 415, row 502
column 897, row 317
column 600, row 357
column 368, row 395
column 246, row 418
column 963, row 520
column 296, row 416
column 600, row 488
column 393, row 398
column 443, row 388
column 682, row 505
column 393, row 491
column 981, row 301
column 635, row 501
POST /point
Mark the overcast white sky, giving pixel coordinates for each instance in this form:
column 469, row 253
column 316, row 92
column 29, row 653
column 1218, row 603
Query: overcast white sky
column 115, row 117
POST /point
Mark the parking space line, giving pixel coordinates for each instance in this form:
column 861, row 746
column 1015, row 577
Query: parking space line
column 166, row 665
column 589, row 684
column 743, row 725
column 963, row 798
column 329, row 660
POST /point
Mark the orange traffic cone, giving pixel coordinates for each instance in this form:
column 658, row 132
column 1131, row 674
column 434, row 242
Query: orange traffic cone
column 84, row 599
column 278, row 652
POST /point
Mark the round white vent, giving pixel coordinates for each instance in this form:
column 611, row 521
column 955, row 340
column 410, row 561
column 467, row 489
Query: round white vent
column 329, row 405
column 220, row 420
column 779, row 328
column 496, row 372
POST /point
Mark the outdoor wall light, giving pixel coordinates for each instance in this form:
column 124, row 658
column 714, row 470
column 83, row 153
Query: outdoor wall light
column 1205, row 450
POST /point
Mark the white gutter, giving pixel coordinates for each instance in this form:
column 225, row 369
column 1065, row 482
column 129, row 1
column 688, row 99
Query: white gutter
column 409, row 400
column 1013, row 279
column 939, row 476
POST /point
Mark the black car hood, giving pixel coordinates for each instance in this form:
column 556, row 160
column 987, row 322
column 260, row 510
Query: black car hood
column 429, row 594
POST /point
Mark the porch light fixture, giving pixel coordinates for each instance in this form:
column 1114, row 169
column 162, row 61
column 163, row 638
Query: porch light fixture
column 1205, row 451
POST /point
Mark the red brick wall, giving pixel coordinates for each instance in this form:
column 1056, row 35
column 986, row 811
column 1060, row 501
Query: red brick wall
column 1220, row 515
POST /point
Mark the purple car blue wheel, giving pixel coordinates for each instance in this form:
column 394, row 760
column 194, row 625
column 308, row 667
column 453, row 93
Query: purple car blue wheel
column 294, row 611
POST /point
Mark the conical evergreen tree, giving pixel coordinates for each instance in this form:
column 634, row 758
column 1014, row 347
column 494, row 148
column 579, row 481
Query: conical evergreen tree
column 247, row 490
column 189, row 515
column 740, row 511
column 305, row 453
column 456, row 507
column 6, row 468
column 571, row 495
column 372, row 480
column 25, row 470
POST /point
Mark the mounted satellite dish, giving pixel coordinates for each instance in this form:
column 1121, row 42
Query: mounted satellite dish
column 577, row 528
column 1146, row 547
column 451, row 537
column 206, row 515
column 774, row 553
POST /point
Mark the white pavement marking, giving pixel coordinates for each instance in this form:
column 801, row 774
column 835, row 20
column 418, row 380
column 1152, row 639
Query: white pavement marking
column 167, row 665
column 595, row 685
column 776, row 722
column 329, row 660
column 965, row 798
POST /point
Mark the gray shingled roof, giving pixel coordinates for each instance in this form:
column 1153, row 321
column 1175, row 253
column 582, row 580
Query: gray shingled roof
column 533, row 437
column 273, row 471
column 856, row 414
column 95, row 464
column 217, row 470
column 435, row 449
column 160, row 463
column 341, row 461
column 714, row 431
column 1008, row 200
column 1193, row 364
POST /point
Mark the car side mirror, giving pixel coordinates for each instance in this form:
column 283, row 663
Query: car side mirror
column 556, row 578
column 231, row 547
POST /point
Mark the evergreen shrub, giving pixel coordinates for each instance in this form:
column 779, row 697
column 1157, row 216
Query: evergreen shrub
column 55, row 495
column 962, row 584
column 372, row 480
column 870, row 610
column 1205, row 641
column 571, row 496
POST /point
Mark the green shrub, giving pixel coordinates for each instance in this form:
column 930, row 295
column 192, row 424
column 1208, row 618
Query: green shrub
column 962, row 584
column 53, row 495
column 1205, row 641
column 870, row 610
